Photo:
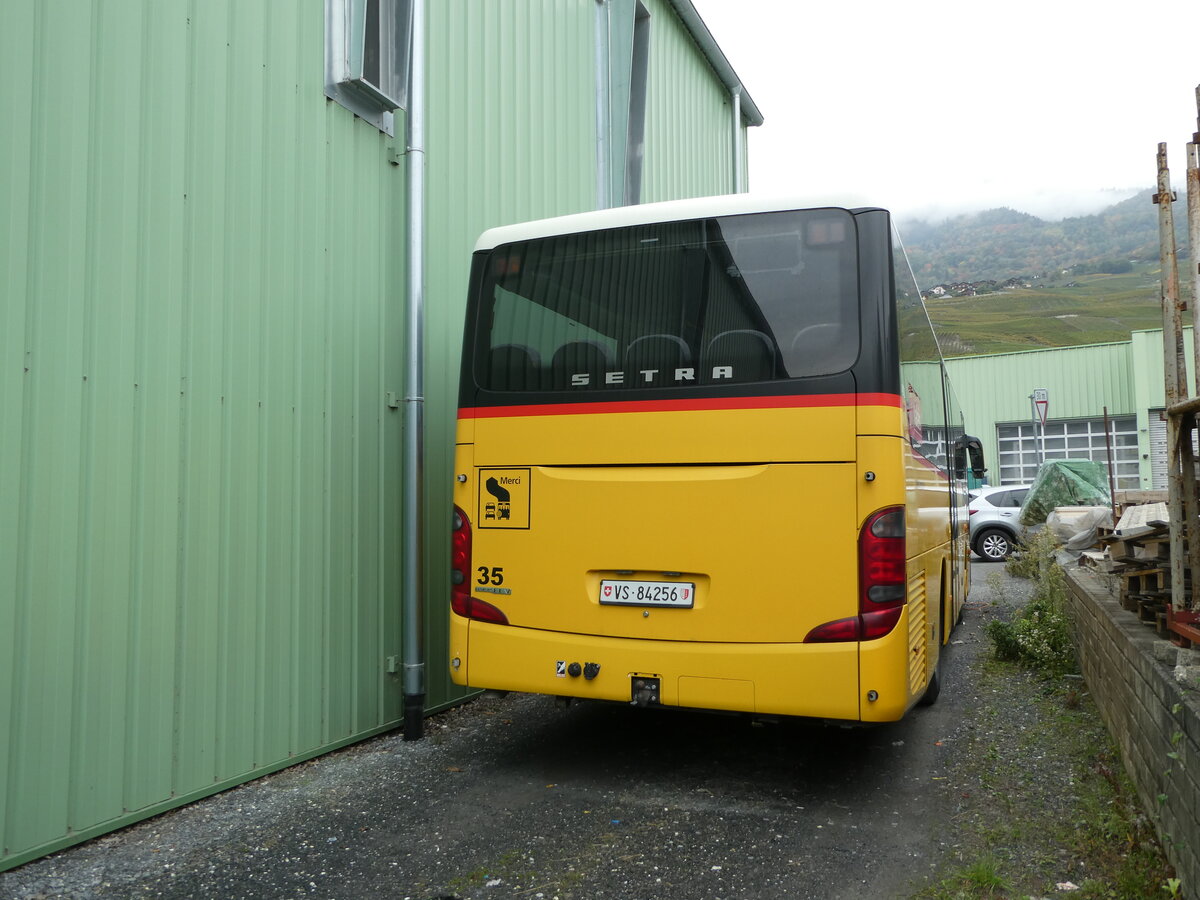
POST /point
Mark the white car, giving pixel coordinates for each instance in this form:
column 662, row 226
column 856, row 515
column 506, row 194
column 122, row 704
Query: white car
column 993, row 518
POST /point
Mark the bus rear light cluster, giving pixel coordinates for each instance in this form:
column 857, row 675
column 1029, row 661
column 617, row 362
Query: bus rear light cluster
column 882, row 582
column 461, row 600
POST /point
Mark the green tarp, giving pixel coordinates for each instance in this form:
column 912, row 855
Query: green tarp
column 1065, row 482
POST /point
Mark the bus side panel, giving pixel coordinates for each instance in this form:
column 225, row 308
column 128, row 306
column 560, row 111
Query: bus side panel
column 896, row 667
column 962, row 551
column 930, row 544
column 928, row 499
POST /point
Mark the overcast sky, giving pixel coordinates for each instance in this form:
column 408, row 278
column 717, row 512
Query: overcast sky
column 1053, row 107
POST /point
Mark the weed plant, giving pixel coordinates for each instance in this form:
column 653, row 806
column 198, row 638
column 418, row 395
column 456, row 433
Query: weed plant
column 1037, row 635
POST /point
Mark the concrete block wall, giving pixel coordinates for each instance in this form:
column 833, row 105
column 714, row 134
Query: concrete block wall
column 1131, row 673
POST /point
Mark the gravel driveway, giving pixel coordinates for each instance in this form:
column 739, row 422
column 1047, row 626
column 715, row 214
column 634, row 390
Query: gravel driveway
column 515, row 797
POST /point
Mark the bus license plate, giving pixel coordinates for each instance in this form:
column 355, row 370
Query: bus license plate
column 648, row 593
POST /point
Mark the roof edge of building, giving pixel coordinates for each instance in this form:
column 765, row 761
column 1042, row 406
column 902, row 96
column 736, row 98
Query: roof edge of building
column 716, row 57
column 1129, row 340
column 1039, row 350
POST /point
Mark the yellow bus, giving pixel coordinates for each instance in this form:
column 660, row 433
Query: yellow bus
column 707, row 456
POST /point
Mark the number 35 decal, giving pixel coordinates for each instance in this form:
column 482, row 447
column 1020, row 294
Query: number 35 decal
column 493, row 576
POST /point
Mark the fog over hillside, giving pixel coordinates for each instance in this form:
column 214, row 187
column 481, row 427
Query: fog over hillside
column 1050, row 205
column 1003, row 243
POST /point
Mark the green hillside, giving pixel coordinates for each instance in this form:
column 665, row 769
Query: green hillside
column 1079, row 280
column 1095, row 309
column 1002, row 243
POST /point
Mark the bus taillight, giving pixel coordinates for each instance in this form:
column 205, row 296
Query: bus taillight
column 461, row 600
column 881, row 579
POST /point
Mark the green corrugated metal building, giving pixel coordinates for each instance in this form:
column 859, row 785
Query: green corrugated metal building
column 202, row 327
column 1124, row 378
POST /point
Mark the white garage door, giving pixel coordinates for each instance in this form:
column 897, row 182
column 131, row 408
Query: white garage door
column 1019, row 445
column 1158, row 450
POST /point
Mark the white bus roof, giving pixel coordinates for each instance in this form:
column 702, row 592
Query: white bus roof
column 650, row 213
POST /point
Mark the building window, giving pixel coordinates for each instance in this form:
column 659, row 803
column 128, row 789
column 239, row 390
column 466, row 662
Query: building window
column 366, row 57
column 1020, row 446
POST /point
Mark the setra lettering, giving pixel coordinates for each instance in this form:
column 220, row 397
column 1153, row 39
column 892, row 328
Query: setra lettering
column 685, row 374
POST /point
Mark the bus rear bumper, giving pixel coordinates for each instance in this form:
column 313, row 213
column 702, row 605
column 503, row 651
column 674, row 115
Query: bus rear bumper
column 812, row 680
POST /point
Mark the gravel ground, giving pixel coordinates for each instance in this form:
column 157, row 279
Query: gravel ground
column 513, row 797
column 1042, row 807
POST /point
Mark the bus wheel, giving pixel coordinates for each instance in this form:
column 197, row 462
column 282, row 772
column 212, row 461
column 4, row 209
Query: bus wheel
column 931, row 693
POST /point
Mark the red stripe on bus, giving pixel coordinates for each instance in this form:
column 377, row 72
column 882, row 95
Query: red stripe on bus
column 695, row 404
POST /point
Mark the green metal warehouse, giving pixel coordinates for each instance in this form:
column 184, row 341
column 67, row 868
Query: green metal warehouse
column 214, row 219
column 1124, row 378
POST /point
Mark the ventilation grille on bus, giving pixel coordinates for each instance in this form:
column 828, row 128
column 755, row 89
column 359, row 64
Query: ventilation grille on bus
column 918, row 627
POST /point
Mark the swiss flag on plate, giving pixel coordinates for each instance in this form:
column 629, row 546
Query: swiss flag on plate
column 607, row 590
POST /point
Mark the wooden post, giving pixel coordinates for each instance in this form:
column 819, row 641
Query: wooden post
column 1112, row 479
column 1173, row 370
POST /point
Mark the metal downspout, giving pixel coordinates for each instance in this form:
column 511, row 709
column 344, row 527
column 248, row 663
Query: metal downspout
column 603, row 119
column 412, row 461
column 716, row 58
column 739, row 184
column 1193, row 199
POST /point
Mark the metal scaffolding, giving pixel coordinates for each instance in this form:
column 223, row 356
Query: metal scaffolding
column 1181, row 405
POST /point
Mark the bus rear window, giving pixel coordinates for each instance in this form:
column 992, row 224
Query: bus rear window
column 749, row 298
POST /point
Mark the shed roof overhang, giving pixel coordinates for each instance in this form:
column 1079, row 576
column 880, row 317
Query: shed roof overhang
column 716, row 58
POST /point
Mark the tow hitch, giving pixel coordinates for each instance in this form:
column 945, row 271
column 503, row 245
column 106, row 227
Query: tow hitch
column 644, row 690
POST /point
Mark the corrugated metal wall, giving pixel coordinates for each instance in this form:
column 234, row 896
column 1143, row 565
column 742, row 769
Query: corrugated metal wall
column 201, row 316
column 1146, row 353
column 1126, row 377
column 1081, row 381
column 198, row 487
column 512, row 137
column 689, row 116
